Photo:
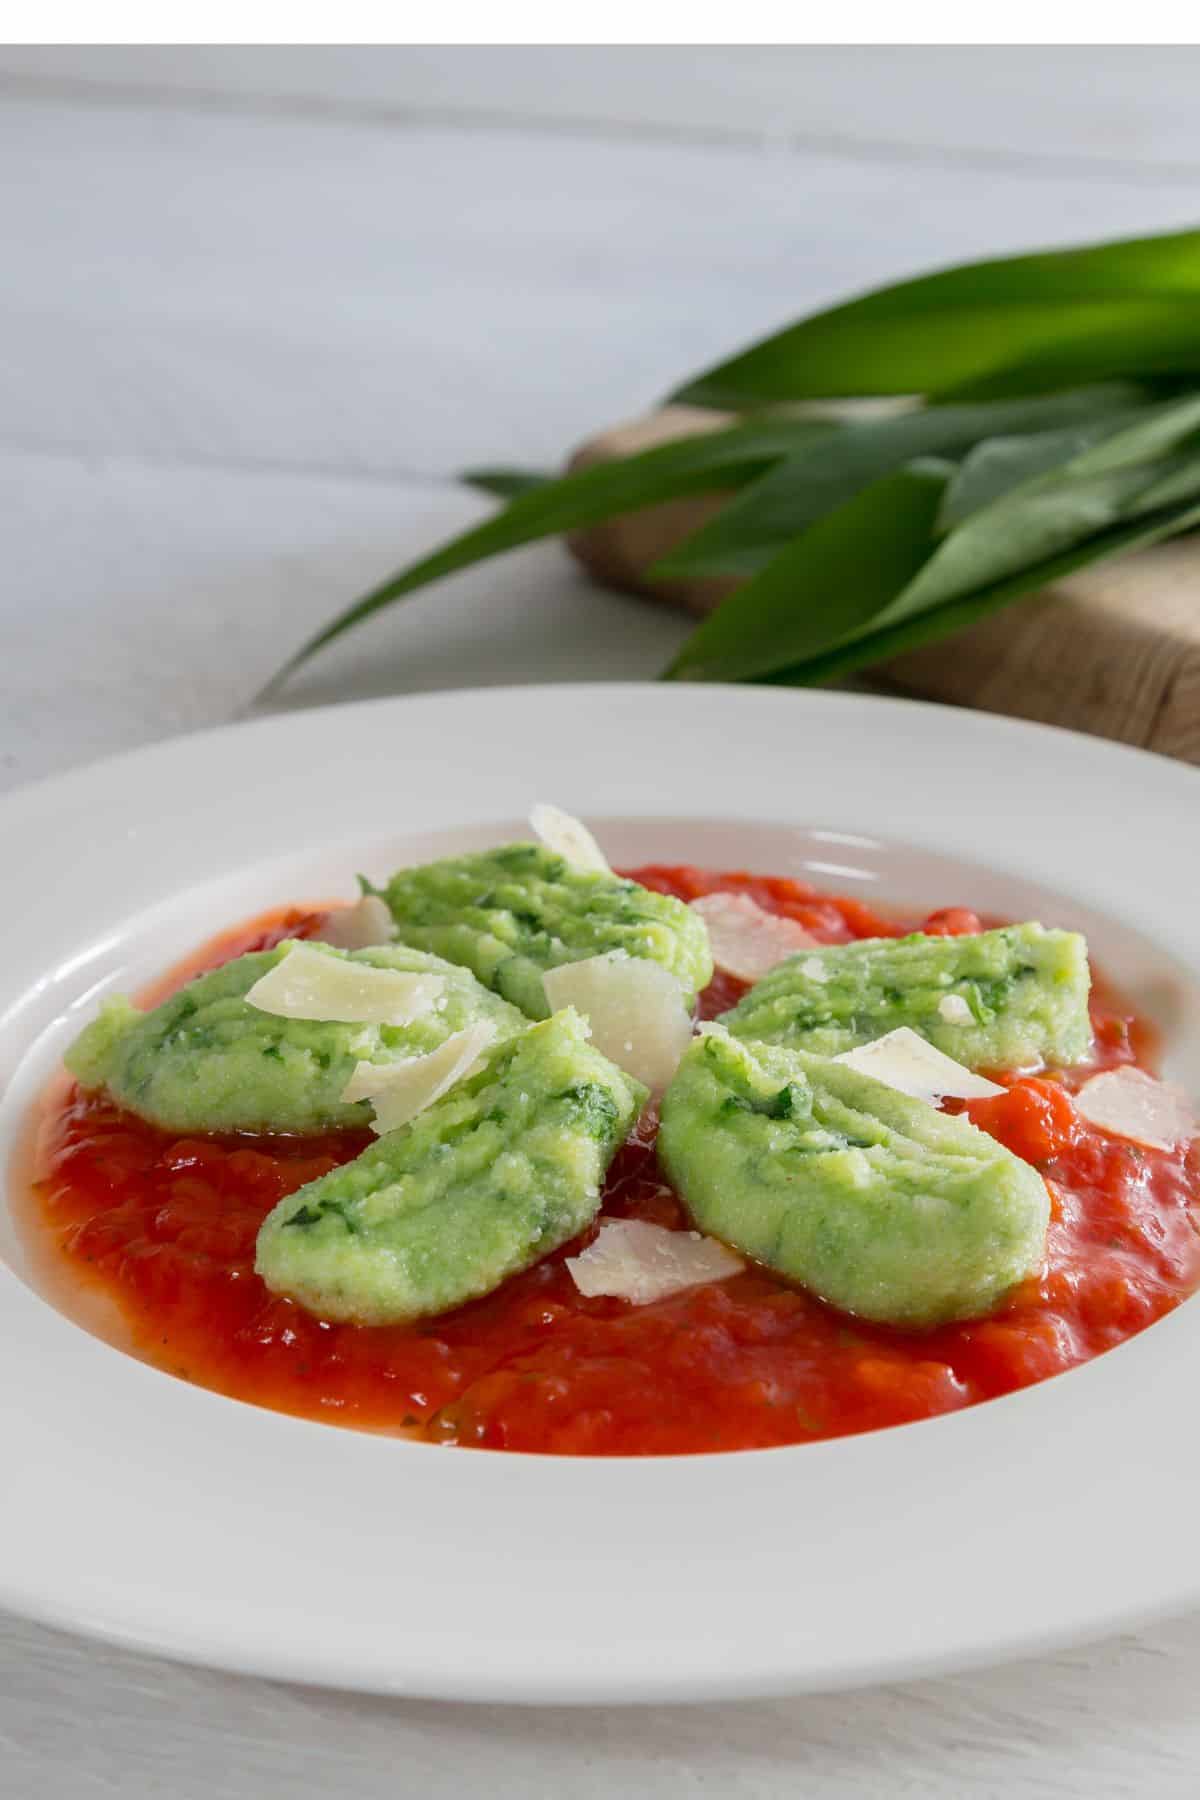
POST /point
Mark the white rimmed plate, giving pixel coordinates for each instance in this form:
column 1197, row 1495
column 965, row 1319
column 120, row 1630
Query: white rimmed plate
column 171, row 1519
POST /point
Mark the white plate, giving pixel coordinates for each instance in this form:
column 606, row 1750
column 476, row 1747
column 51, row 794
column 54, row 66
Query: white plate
column 165, row 1517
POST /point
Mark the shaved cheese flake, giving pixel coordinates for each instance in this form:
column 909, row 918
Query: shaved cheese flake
column 815, row 969
column 903, row 1060
column 570, row 839
column 954, row 1010
column 399, row 1091
column 308, row 984
column 632, row 1260
column 1131, row 1104
column 747, row 940
column 635, row 1008
column 359, row 927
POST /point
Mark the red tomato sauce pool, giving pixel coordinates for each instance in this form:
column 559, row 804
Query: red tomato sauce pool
column 165, row 1226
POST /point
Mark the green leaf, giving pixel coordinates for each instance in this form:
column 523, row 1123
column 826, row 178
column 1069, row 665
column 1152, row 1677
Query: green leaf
column 1018, row 325
column 1028, row 529
column 767, row 512
column 505, row 484
column 845, row 568
column 823, row 591
column 1175, row 486
column 823, row 474
column 708, row 462
column 1160, row 432
column 879, row 646
column 998, row 466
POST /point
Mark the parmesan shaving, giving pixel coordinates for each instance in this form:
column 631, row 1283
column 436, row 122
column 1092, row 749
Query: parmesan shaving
column 635, row 1008
column 359, row 927
column 747, row 940
column 308, row 983
column 632, row 1260
column 1131, row 1104
column 570, row 839
column 903, row 1060
column 399, row 1091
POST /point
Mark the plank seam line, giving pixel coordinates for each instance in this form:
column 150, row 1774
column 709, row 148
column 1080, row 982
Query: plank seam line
column 377, row 115
column 217, row 463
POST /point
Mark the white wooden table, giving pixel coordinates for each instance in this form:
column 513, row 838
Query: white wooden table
column 258, row 308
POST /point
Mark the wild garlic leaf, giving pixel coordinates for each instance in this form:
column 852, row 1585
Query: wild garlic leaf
column 1033, row 526
column 505, row 484
column 985, row 330
column 711, row 461
column 997, row 466
column 822, row 475
column 808, row 604
column 828, row 583
column 831, row 523
column 873, row 648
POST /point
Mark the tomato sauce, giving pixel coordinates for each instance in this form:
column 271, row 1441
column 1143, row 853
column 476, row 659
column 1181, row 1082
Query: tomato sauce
column 165, row 1226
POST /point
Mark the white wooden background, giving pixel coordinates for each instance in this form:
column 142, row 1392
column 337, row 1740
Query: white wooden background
column 257, row 307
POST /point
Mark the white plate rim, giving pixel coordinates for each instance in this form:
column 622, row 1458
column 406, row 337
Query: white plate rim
column 668, row 1602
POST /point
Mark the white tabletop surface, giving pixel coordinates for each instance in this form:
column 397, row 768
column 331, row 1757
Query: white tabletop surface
column 259, row 307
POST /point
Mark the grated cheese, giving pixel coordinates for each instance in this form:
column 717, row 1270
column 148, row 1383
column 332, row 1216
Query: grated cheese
column 954, row 1009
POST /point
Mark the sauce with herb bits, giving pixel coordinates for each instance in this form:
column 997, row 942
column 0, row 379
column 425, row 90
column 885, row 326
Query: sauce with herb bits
column 165, row 1226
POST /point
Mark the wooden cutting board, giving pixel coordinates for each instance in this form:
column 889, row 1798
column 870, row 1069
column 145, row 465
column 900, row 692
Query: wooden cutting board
column 1114, row 651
